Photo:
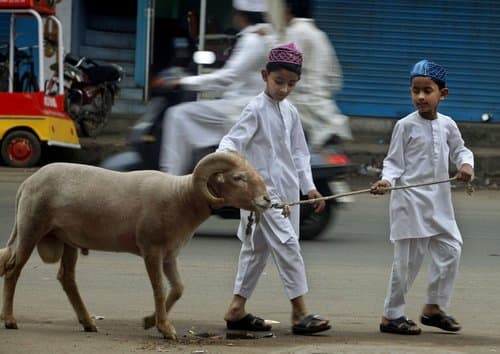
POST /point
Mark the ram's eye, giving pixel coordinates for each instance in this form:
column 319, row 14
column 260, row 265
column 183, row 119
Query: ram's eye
column 240, row 177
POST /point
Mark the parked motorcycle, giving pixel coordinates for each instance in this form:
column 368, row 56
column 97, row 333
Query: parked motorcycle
column 329, row 166
column 90, row 90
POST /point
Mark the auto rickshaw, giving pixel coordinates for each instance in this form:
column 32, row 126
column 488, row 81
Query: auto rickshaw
column 30, row 118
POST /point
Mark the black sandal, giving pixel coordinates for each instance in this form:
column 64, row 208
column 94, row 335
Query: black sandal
column 441, row 320
column 311, row 324
column 249, row 323
column 401, row 325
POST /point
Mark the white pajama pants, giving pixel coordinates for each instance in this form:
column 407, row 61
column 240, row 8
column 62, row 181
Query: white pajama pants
column 444, row 251
column 286, row 255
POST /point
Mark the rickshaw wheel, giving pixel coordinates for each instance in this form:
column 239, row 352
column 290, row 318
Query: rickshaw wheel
column 21, row 149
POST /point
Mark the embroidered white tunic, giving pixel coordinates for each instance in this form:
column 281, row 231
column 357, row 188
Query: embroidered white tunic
column 419, row 152
column 270, row 135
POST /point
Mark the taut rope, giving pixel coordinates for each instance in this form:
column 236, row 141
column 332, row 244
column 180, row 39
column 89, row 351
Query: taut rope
column 286, row 206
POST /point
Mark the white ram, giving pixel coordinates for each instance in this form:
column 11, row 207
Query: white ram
column 63, row 207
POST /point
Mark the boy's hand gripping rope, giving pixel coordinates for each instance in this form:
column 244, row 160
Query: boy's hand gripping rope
column 286, row 206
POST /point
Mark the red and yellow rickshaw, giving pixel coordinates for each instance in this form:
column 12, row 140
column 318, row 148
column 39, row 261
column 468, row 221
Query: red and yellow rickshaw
column 29, row 121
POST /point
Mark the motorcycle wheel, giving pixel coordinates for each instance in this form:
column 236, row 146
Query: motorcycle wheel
column 312, row 224
column 93, row 124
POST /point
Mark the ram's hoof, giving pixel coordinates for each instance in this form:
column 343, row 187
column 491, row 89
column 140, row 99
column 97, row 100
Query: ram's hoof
column 90, row 328
column 148, row 322
column 167, row 330
column 11, row 325
column 171, row 337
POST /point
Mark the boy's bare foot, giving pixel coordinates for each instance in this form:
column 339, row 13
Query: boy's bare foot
column 236, row 310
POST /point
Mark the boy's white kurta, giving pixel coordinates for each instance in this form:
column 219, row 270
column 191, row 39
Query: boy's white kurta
column 270, row 135
column 203, row 123
column 419, row 152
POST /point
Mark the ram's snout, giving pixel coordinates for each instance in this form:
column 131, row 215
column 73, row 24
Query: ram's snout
column 262, row 202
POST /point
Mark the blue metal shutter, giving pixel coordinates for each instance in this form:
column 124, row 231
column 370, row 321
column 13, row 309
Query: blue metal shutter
column 378, row 42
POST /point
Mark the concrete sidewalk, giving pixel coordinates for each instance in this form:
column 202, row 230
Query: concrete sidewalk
column 372, row 137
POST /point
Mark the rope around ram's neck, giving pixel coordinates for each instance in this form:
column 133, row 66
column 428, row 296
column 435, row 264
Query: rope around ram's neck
column 286, row 206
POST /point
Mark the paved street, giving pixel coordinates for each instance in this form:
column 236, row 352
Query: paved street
column 348, row 270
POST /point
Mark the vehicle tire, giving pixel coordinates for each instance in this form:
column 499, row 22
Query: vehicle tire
column 93, row 124
column 313, row 224
column 21, row 148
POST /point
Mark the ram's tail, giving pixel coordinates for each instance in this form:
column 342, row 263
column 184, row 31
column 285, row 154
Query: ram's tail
column 7, row 254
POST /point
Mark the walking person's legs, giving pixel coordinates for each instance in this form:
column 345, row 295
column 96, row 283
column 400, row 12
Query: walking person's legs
column 252, row 261
column 291, row 268
column 408, row 257
column 445, row 254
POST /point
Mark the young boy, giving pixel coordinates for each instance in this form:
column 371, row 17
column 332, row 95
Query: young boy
column 269, row 134
column 422, row 219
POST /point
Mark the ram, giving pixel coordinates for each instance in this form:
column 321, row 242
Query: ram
column 63, row 207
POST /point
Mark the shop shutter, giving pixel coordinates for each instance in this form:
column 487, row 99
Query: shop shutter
column 378, row 42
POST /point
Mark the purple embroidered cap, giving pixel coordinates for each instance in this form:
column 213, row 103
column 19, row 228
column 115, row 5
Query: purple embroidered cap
column 286, row 53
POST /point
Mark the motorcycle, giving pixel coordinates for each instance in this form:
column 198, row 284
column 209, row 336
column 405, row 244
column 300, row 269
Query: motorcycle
column 90, row 89
column 329, row 166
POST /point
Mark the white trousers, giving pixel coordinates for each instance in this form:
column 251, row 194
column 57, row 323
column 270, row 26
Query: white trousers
column 286, row 255
column 444, row 251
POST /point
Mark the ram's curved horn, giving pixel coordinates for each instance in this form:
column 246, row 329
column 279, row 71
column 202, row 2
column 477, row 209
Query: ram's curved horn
column 210, row 165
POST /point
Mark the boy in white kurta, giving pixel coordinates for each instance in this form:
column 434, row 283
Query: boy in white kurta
column 422, row 219
column 269, row 134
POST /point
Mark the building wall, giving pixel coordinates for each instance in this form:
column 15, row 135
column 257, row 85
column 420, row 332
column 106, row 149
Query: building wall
column 377, row 43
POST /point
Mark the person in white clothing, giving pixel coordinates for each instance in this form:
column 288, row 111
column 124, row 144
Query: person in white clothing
column 192, row 125
column 321, row 78
column 270, row 135
column 422, row 218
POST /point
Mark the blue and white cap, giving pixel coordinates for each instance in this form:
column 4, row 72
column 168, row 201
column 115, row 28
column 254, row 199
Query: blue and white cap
column 429, row 69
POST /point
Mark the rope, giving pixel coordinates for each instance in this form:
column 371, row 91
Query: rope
column 286, row 206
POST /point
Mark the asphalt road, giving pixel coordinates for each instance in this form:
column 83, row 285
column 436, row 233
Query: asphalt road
column 347, row 269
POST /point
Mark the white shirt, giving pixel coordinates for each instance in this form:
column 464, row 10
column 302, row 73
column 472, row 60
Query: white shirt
column 321, row 71
column 270, row 135
column 320, row 81
column 420, row 152
column 240, row 76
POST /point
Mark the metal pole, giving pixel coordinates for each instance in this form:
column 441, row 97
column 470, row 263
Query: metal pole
column 149, row 40
column 60, row 54
column 201, row 35
column 11, row 51
column 41, row 54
